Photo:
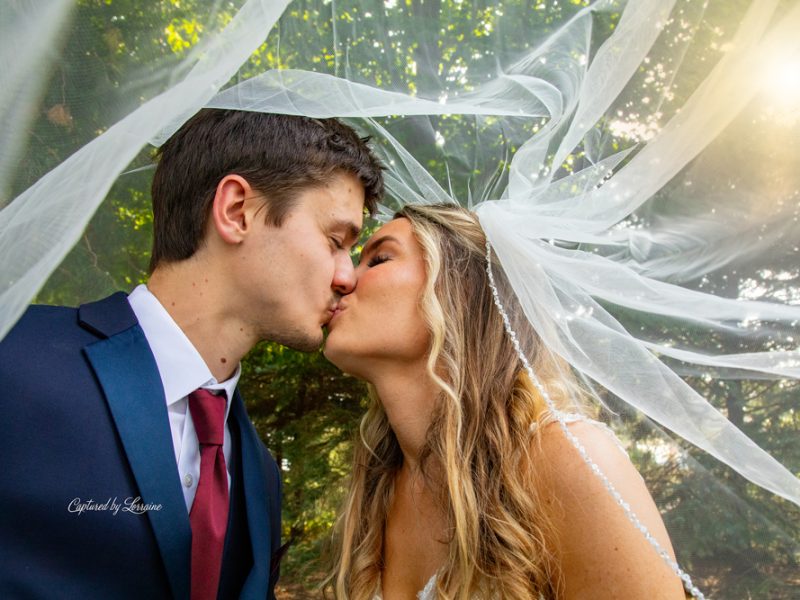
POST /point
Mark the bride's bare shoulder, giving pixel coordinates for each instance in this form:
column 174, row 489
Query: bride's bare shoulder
column 594, row 541
column 553, row 447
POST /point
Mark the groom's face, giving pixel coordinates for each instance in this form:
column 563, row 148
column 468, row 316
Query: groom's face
column 304, row 265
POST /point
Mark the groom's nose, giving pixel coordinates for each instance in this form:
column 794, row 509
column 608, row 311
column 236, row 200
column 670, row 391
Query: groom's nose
column 344, row 275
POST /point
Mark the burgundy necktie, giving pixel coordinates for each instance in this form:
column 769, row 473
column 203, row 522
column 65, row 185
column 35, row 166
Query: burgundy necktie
column 209, row 514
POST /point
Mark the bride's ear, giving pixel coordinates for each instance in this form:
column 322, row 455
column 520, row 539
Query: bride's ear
column 230, row 209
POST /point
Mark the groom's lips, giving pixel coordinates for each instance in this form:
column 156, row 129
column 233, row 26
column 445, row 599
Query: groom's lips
column 335, row 313
column 332, row 311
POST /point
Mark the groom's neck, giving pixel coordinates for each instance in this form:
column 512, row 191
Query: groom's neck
column 195, row 295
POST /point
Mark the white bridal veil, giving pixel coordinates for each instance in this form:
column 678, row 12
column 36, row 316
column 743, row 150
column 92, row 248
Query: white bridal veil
column 636, row 166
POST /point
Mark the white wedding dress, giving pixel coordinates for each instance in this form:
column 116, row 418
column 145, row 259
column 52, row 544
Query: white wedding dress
column 427, row 593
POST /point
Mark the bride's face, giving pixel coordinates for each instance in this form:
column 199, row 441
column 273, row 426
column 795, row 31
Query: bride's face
column 379, row 324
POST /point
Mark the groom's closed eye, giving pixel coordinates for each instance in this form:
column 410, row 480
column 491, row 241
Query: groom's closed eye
column 343, row 234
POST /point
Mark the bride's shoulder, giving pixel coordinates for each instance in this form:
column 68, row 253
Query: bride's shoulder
column 562, row 445
column 592, row 534
column 576, row 430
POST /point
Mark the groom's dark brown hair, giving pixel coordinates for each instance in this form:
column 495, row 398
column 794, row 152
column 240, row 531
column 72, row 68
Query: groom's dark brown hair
column 278, row 155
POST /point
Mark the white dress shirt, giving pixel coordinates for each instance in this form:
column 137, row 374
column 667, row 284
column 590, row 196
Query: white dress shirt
column 182, row 371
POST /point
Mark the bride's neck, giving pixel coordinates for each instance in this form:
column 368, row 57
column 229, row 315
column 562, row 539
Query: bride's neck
column 408, row 396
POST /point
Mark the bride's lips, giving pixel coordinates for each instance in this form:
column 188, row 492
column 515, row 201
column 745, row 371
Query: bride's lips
column 335, row 313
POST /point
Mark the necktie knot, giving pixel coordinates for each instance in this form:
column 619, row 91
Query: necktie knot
column 208, row 414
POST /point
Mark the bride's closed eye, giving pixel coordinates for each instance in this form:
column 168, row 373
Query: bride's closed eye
column 377, row 259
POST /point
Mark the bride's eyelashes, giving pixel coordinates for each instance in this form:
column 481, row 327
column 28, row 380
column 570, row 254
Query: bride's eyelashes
column 377, row 259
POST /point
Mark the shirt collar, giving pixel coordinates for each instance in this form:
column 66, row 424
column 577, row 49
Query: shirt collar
column 180, row 365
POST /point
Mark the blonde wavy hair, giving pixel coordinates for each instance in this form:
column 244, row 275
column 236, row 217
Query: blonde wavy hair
column 480, row 436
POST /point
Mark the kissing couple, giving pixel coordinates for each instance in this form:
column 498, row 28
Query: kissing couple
column 464, row 483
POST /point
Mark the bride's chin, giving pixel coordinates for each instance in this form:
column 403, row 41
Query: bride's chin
column 334, row 353
column 343, row 360
column 328, row 354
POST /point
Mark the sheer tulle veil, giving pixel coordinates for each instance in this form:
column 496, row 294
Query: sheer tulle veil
column 635, row 166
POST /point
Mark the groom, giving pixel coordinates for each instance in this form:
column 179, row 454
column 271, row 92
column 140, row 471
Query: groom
column 128, row 465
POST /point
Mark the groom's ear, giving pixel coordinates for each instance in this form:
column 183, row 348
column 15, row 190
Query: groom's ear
column 231, row 209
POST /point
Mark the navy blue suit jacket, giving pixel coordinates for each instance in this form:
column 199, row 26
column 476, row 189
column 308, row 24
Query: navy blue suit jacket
column 84, row 425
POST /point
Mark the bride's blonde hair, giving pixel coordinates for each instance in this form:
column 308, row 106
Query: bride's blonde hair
column 480, row 436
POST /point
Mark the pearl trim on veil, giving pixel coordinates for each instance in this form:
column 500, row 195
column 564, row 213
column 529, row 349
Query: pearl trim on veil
column 683, row 575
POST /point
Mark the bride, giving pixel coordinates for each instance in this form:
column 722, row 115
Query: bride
column 463, row 484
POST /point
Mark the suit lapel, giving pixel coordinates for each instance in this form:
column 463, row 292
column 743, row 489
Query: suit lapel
column 127, row 371
column 257, row 505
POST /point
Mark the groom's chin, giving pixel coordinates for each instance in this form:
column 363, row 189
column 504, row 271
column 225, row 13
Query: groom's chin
column 300, row 341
